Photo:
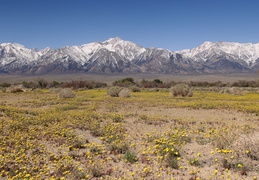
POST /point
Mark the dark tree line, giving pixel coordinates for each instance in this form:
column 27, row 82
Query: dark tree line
column 128, row 82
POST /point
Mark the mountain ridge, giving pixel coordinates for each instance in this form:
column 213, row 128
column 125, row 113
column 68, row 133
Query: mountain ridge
column 248, row 49
column 117, row 55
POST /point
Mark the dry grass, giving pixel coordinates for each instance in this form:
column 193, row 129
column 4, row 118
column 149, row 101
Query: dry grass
column 247, row 145
column 147, row 136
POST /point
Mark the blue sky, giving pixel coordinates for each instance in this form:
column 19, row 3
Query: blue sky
column 169, row 24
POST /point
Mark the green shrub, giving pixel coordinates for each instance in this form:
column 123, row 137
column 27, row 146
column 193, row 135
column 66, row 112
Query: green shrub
column 130, row 157
column 66, row 93
column 172, row 162
column 157, row 81
column 124, row 82
column 82, row 84
column 118, row 148
column 181, row 90
column 114, row 91
column 194, row 162
column 5, row 85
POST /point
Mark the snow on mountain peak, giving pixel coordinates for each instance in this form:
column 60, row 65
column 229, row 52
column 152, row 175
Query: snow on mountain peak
column 116, row 50
column 207, row 43
column 244, row 51
column 126, row 49
column 113, row 40
column 11, row 45
column 5, row 44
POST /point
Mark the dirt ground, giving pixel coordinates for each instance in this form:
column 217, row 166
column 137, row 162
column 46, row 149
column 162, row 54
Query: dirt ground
column 150, row 130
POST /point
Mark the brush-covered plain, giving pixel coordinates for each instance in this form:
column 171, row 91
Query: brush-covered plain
column 149, row 135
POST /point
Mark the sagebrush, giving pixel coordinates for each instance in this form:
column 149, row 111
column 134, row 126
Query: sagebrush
column 181, row 90
column 114, row 91
column 66, row 93
column 124, row 93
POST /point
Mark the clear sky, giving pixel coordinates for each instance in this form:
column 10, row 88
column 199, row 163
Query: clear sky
column 169, row 24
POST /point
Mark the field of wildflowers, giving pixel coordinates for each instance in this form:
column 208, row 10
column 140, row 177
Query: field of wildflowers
column 150, row 135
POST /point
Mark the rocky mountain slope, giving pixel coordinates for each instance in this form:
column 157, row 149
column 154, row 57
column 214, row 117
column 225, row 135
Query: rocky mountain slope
column 117, row 56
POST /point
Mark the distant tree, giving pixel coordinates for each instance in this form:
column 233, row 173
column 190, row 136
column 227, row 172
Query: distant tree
column 143, row 81
column 55, row 84
column 158, row 81
column 128, row 79
column 126, row 82
column 83, row 84
column 5, row 84
column 42, row 83
column 32, row 85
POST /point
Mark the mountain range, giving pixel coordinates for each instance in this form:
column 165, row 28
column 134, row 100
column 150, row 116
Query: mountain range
column 118, row 56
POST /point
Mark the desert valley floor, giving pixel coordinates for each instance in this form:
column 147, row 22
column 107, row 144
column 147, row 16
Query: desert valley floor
column 150, row 135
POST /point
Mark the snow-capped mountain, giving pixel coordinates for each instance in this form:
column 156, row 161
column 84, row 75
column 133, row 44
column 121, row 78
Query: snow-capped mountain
column 247, row 54
column 117, row 55
column 12, row 52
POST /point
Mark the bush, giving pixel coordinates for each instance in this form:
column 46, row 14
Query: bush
column 5, row 85
column 157, row 81
column 14, row 89
column 55, row 90
column 153, row 90
column 124, row 82
column 244, row 83
column 119, row 148
column 173, row 163
column 29, row 85
column 247, row 145
column 181, row 90
column 232, row 90
column 55, row 84
column 224, row 139
column 130, row 157
column 42, row 83
column 66, row 93
column 135, row 89
column 82, row 84
column 124, row 93
column 114, row 91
